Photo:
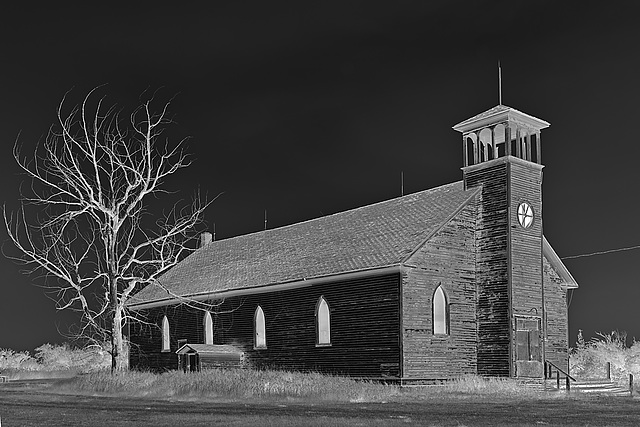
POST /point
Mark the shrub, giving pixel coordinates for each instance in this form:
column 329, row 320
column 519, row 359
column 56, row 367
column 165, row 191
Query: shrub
column 49, row 358
column 589, row 359
column 11, row 360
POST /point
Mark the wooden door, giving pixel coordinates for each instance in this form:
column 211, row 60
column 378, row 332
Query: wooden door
column 528, row 347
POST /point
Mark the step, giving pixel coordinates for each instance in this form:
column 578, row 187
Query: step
column 597, row 386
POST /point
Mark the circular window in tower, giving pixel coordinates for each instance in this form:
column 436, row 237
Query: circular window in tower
column 525, row 215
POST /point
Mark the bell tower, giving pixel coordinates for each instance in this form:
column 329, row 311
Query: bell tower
column 502, row 155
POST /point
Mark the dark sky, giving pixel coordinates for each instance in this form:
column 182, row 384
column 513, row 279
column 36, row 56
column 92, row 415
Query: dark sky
column 310, row 108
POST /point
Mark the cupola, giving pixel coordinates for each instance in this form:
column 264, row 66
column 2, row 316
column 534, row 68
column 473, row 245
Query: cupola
column 499, row 132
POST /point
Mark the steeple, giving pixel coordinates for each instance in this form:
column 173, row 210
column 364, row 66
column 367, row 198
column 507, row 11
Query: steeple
column 502, row 155
column 485, row 136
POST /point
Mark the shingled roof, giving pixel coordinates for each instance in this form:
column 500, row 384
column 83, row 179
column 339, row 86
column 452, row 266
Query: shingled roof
column 374, row 236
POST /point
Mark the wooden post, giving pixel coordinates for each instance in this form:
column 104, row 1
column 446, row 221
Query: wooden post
column 465, row 152
column 558, row 379
column 631, row 384
column 608, row 370
column 568, row 383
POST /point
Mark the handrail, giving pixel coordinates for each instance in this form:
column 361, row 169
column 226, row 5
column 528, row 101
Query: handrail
column 557, row 369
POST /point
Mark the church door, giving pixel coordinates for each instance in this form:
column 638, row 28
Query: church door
column 528, row 348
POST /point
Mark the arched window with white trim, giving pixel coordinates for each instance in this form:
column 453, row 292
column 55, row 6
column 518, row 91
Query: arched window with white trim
column 259, row 328
column 166, row 338
column 323, row 322
column 208, row 328
column 440, row 312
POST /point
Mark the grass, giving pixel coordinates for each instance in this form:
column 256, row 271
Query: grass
column 278, row 385
column 229, row 383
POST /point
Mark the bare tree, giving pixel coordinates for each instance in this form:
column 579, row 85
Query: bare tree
column 91, row 180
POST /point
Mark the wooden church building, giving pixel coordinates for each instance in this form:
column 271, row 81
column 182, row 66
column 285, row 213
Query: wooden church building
column 454, row 280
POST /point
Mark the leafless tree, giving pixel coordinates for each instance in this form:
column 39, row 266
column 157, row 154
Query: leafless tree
column 91, row 180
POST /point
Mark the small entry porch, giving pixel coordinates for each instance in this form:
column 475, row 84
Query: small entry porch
column 194, row 357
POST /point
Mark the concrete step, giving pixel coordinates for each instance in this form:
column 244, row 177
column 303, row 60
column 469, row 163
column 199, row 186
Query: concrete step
column 597, row 386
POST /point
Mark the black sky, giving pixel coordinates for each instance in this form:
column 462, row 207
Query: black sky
column 308, row 109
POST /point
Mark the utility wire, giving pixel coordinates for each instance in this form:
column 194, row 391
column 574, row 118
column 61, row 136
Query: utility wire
column 602, row 252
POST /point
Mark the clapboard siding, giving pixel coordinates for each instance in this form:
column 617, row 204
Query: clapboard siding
column 556, row 318
column 492, row 231
column 448, row 259
column 526, row 243
column 365, row 325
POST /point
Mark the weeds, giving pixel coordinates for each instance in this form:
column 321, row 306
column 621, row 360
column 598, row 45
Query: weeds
column 49, row 361
column 589, row 359
column 230, row 383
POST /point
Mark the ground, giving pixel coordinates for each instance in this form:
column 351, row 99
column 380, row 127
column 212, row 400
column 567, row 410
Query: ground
column 32, row 403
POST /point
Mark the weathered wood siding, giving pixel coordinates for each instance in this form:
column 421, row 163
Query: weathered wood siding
column 448, row 259
column 365, row 328
column 556, row 318
column 492, row 268
column 525, row 186
column 526, row 243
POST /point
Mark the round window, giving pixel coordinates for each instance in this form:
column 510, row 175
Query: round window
column 525, row 215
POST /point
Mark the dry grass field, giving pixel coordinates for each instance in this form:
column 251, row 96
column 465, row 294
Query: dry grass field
column 51, row 403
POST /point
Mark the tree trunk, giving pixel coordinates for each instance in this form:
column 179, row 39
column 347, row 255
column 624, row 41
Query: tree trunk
column 119, row 353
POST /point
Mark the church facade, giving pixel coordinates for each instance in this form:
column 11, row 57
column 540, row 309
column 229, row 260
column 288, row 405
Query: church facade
column 454, row 280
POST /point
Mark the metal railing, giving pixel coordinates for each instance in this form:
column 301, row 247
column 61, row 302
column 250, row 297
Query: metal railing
column 548, row 374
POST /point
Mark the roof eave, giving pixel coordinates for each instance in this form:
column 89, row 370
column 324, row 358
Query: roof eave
column 507, row 114
column 273, row 287
column 568, row 281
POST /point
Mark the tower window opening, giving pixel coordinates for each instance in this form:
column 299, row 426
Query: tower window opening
column 523, row 146
column 486, row 146
column 470, row 143
column 534, row 142
column 499, row 141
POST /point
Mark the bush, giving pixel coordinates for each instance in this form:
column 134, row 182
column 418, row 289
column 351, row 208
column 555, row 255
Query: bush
column 49, row 358
column 11, row 360
column 589, row 359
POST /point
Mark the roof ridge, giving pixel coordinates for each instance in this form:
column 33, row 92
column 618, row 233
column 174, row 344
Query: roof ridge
column 337, row 213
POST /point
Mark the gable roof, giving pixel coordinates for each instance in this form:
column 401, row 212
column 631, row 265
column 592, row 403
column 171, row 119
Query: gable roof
column 218, row 349
column 558, row 265
column 370, row 237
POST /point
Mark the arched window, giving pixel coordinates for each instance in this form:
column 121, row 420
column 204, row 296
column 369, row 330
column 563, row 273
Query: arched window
column 440, row 312
column 166, row 339
column 486, row 146
column 323, row 323
column 471, row 153
column 208, row 328
column 525, row 149
column 499, row 141
column 260, row 334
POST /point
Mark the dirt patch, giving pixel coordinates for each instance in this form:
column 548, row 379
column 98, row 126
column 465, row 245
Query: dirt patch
column 32, row 403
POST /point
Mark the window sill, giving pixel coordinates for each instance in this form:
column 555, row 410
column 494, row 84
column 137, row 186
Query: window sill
column 165, row 351
column 323, row 345
column 260, row 348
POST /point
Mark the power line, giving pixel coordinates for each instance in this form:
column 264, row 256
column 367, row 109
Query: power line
column 602, row 252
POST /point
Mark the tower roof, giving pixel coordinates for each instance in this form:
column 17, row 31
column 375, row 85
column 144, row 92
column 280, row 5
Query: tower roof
column 500, row 114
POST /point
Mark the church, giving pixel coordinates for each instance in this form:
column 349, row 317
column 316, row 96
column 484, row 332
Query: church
column 449, row 281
